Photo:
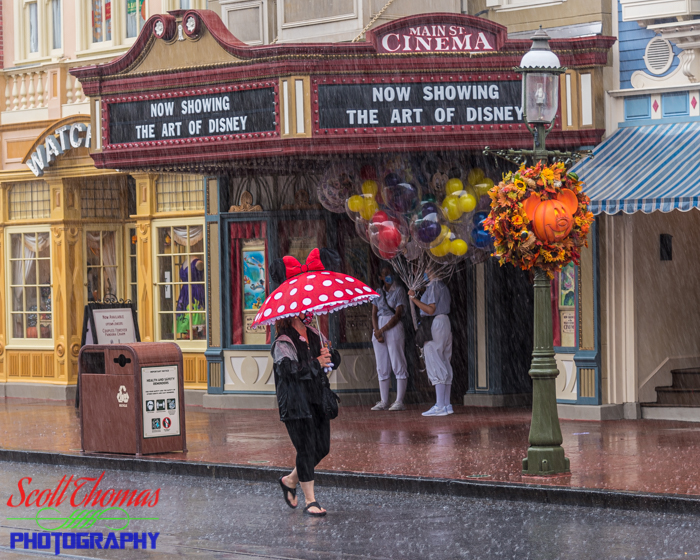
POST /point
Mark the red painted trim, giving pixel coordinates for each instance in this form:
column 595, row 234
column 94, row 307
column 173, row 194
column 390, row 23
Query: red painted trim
column 216, row 150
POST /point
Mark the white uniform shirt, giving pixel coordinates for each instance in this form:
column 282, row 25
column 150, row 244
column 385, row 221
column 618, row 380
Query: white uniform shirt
column 394, row 297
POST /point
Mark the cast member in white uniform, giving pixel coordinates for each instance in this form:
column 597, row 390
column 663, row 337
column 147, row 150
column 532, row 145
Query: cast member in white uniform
column 435, row 301
column 388, row 340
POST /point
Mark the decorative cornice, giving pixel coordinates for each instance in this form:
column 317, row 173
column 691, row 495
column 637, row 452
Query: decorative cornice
column 274, row 60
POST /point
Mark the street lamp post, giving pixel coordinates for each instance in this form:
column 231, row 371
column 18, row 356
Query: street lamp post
column 541, row 69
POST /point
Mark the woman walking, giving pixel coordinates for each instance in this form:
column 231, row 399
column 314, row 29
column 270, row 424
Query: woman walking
column 300, row 362
column 435, row 303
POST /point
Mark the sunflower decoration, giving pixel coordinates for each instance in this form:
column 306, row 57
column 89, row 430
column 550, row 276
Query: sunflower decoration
column 539, row 218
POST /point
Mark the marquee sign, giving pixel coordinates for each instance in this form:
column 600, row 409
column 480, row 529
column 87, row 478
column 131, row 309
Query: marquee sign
column 438, row 33
column 433, row 81
column 424, row 104
column 170, row 116
column 57, row 143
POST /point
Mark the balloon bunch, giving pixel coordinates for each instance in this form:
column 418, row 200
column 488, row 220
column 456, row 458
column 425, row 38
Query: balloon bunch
column 401, row 209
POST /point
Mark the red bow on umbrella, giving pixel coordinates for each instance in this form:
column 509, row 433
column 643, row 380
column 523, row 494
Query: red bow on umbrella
column 311, row 288
column 293, row 267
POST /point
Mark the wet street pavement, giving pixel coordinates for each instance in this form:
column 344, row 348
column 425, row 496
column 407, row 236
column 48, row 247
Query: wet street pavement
column 473, row 444
column 202, row 518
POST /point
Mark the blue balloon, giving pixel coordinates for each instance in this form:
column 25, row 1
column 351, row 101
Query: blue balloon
column 480, row 237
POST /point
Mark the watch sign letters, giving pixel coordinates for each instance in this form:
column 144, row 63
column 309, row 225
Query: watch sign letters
column 63, row 139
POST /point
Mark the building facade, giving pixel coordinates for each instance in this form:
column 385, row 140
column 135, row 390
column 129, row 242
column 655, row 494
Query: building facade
column 641, row 183
column 162, row 229
column 69, row 230
column 261, row 182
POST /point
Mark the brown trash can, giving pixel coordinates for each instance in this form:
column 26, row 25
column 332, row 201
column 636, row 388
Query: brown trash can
column 132, row 398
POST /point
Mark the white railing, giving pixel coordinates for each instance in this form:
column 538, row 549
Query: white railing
column 29, row 89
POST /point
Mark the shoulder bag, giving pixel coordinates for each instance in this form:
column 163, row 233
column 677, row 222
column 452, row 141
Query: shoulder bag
column 330, row 401
column 425, row 330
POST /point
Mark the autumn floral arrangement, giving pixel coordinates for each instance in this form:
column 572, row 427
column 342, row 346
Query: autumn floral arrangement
column 539, row 218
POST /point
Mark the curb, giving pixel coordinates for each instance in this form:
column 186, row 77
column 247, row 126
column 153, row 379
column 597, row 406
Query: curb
column 541, row 494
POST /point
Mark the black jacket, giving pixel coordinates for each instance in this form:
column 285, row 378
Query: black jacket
column 299, row 382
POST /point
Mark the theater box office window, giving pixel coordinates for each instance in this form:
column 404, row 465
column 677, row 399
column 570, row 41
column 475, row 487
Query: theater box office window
column 260, row 139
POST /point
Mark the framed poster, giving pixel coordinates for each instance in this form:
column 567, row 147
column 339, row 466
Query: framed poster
column 254, row 288
column 160, row 401
column 567, row 287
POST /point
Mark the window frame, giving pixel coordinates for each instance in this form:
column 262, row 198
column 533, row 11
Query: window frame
column 118, row 233
column 128, row 284
column 185, row 345
column 86, row 47
column 58, row 50
column 24, row 343
column 228, row 6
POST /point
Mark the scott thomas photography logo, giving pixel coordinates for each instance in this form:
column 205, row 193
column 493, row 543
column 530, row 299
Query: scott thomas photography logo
column 68, row 516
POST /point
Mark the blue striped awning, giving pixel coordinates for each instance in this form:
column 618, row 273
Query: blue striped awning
column 644, row 168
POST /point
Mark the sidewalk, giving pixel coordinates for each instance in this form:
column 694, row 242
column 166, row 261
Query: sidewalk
column 474, row 444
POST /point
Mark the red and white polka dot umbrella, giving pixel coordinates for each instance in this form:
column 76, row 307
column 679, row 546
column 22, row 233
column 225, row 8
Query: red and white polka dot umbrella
column 309, row 287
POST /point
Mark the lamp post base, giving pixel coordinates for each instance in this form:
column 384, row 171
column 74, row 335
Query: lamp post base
column 545, row 461
column 545, row 456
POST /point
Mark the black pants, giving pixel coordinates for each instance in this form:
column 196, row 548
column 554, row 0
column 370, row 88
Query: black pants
column 311, row 438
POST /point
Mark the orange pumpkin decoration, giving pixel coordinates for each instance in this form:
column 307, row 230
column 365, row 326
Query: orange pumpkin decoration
column 552, row 219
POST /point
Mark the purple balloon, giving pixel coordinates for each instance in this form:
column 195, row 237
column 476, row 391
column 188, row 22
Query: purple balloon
column 428, row 231
column 391, row 180
column 428, row 208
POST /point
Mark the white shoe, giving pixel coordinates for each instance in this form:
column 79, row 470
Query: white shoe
column 397, row 406
column 381, row 406
column 436, row 411
column 449, row 409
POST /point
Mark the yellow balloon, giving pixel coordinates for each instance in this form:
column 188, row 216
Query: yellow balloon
column 369, row 208
column 453, row 185
column 475, row 176
column 484, row 186
column 467, row 202
column 370, row 187
column 442, row 249
column 458, row 247
column 355, row 203
column 451, row 207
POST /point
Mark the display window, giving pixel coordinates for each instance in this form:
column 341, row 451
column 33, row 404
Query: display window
column 180, row 283
column 29, row 276
column 563, row 295
column 101, row 20
column 135, row 17
column 103, row 278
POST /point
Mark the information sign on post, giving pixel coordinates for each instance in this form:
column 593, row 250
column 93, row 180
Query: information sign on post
column 160, row 401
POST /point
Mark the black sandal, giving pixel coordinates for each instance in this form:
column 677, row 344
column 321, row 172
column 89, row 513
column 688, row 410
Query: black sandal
column 287, row 490
column 314, row 514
